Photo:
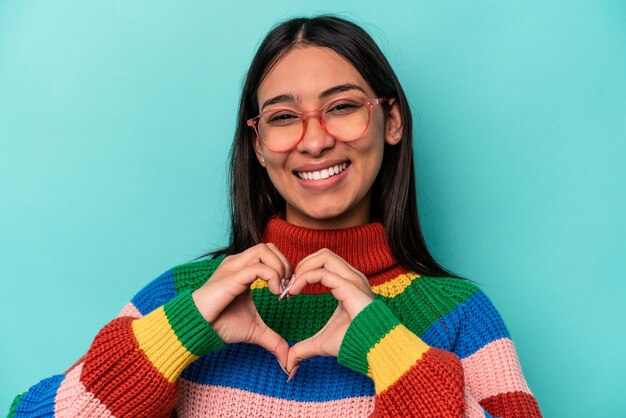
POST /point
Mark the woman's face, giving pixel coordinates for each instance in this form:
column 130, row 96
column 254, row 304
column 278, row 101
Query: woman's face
column 302, row 80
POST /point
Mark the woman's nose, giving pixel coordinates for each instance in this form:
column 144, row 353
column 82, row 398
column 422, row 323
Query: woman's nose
column 315, row 140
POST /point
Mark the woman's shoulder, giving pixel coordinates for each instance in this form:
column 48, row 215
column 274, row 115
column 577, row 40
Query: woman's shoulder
column 447, row 294
column 429, row 297
column 453, row 288
column 441, row 289
column 437, row 307
column 181, row 278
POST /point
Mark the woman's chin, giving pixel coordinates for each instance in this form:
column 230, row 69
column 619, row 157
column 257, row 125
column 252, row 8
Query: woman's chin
column 327, row 218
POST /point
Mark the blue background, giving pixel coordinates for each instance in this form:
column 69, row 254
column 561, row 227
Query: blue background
column 116, row 118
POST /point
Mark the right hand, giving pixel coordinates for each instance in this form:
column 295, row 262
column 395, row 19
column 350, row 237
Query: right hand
column 225, row 301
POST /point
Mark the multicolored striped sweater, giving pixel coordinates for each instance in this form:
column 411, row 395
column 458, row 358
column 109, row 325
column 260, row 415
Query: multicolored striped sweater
column 426, row 347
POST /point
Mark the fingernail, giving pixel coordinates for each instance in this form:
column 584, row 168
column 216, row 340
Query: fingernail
column 282, row 367
column 286, row 289
column 293, row 373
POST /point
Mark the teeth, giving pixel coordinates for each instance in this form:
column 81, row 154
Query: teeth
column 322, row 174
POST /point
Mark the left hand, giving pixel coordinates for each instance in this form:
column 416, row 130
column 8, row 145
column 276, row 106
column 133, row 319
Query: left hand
column 348, row 285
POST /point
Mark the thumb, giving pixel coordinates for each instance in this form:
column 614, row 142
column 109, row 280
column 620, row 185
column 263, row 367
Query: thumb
column 302, row 351
column 272, row 342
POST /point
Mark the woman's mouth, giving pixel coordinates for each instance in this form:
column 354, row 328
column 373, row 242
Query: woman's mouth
column 323, row 173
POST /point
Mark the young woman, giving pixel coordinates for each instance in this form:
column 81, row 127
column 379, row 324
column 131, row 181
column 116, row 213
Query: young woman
column 326, row 274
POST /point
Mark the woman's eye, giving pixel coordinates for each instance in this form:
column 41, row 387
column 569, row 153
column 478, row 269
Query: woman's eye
column 344, row 107
column 282, row 118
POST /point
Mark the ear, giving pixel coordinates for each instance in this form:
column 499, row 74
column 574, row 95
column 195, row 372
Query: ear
column 258, row 150
column 393, row 124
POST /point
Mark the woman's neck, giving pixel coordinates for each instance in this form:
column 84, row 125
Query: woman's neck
column 364, row 247
column 357, row 215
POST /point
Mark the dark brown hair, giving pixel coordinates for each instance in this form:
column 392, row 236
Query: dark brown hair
column 253, row 197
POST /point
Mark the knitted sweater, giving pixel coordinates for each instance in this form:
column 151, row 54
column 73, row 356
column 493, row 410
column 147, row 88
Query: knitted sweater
column 427, row 347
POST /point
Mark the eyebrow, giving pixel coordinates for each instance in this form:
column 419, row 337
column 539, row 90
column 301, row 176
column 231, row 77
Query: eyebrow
column 279, row 99
column 326, row 93
column 340, row 89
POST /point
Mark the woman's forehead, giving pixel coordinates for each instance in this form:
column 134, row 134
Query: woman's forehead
column 306, row 72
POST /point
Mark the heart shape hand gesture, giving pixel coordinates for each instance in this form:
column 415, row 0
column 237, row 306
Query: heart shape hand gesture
column 351, row 289
column 225, row 301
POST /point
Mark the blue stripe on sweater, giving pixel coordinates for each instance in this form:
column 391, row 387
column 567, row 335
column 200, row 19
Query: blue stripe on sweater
column 468, row 327
column 444, row 333
column 39, row 400
column 250, row 367
column 156, row 293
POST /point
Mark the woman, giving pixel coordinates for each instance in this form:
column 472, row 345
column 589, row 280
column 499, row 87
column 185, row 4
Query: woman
column 326, row 274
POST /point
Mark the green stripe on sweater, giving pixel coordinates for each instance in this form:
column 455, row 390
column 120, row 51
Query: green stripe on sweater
column 14, row 404
column 286, row 317
column 429, row 298
column 194, row 333
column 366, row 330
column 192, row 275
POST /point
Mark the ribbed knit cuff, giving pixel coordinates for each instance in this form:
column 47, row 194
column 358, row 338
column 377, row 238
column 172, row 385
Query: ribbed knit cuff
column 194, row 333
column 13, row 408
column 174, row 335
column 366, row 330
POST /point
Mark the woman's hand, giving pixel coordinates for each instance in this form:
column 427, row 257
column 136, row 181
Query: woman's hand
column 226, row 303
column 348, row 285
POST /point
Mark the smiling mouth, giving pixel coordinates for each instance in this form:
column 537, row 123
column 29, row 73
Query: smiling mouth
column 324, row 173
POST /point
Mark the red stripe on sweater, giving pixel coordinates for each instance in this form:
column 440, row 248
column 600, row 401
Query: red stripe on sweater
column 120, row 375
column 387, row 275
column 433, row 387
column 512, row 404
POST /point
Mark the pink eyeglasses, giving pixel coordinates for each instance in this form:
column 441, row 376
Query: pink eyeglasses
column 343, row 119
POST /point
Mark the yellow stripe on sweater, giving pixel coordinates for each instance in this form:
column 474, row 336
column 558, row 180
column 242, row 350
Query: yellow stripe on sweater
column 393, row 356
column 394, row 287
column 258, row 284
column 389, row 289
column 158, row 341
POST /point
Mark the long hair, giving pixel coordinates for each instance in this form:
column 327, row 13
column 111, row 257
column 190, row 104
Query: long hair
column 253, row 197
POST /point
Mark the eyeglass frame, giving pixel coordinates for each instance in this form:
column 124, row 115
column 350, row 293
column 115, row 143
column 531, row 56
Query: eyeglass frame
column 304, row 116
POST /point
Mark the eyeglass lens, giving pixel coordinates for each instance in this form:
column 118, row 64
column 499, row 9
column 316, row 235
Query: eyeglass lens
column 344, row 120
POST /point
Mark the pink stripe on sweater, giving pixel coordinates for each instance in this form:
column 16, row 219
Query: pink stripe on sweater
column 129, row 310
column 472, row 407
column 494, row 369
column 198, row 400
column 74, row 400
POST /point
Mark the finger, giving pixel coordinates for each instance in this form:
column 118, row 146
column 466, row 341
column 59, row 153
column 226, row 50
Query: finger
column 321, row 256
column 269, row 339
column 327, row 259
column 216, row 295
column 353, row 296
column 286, row 263
column 301, row 351
column 322, row 276
column 315, row 254
column 260, row 271
column 270, row 255
column 265, row 254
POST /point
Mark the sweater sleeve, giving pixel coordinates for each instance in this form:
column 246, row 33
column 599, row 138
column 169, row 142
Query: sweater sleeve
column 412, row 378
column 492, row 371
column 131, row 368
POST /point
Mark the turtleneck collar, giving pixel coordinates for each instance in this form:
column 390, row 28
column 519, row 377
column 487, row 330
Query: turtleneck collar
column 364, row 247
